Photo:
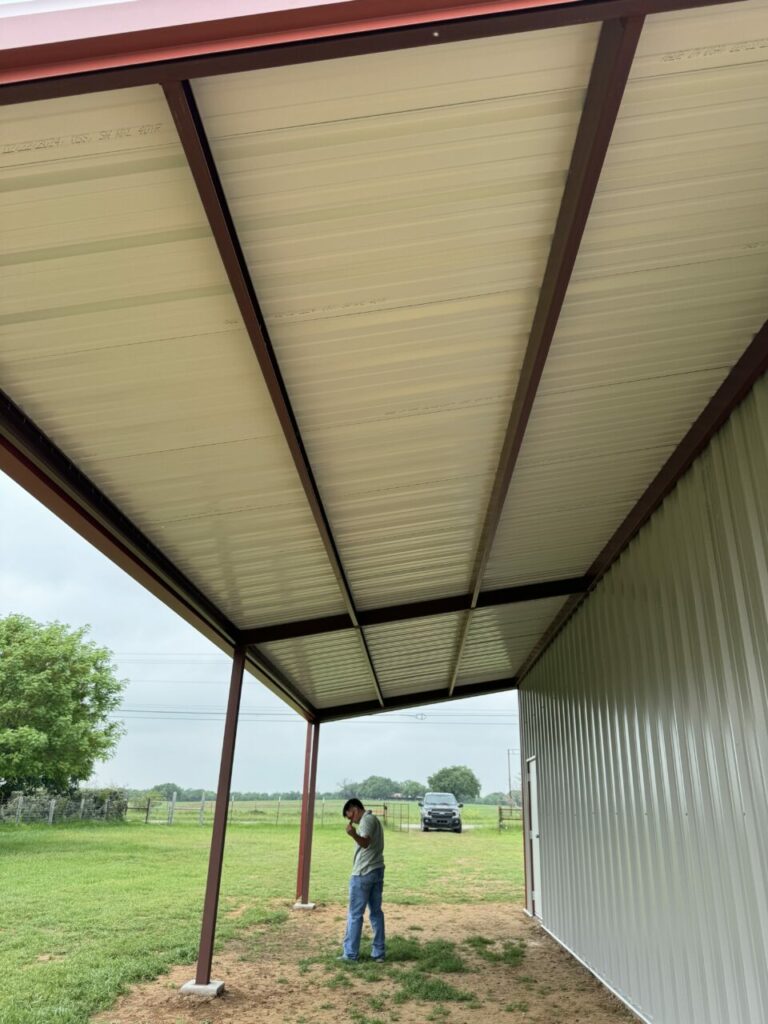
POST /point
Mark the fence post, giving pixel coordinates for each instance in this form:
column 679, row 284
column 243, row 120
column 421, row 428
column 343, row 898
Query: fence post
column 51, row 809
column 172, row 807
column 106, row 809
column 146, row 816
column 231, row 808
column 277, row 815
column 201, row 815
column 19, row 805
column 82, row 807
column 322, row 813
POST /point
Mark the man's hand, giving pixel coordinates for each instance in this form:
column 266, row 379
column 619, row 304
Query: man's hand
column 351, row 831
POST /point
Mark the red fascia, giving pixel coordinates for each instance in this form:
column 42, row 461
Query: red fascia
column 57, row 50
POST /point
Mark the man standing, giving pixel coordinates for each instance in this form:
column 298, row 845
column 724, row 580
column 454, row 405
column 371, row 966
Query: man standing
column 366, row 883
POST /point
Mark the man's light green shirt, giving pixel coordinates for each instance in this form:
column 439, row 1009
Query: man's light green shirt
column 373, row 855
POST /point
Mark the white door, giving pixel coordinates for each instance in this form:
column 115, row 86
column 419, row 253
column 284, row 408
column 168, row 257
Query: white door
column 533, row 838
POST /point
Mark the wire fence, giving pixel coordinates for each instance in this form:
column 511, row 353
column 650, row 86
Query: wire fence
column 241, row 812
column 398, row 815
column 42, row 808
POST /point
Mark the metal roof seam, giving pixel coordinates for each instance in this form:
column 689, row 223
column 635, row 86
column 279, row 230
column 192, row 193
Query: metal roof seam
column 191, row 130
column 612, row 63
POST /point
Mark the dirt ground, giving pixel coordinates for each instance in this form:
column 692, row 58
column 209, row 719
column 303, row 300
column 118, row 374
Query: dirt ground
column 266, row 982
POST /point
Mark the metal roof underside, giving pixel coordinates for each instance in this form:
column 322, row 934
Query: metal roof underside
column 376, row 362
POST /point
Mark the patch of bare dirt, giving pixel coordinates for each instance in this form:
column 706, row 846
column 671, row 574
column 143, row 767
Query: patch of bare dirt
column 266, row 984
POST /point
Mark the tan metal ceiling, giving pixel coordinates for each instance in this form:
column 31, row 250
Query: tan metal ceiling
column 396, row 214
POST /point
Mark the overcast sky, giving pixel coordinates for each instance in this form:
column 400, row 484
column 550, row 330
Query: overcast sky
column 176, row 694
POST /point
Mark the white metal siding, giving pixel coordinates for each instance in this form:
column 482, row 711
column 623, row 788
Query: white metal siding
column 649, row 721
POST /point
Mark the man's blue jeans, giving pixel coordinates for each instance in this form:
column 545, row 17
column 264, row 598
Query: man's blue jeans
column 365, row 891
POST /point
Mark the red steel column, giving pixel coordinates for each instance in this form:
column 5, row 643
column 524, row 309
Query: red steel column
column 208, row 928
column 307, row 812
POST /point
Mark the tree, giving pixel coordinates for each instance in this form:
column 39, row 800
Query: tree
column 412, row 790
column 57, row 691
column 165, row 791
column 459, row 780
column 379, row 787
column 348, row 788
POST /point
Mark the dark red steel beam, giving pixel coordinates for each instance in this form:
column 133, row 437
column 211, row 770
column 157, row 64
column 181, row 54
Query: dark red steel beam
column 299, row 628
column 416, row 610
column 201, row 163
column 30, row 458
column 610, row 71
column 307, row 813
column 415, row 700
column 734, row 389
column 216, row 857
column 325, row 32
column 40, row 467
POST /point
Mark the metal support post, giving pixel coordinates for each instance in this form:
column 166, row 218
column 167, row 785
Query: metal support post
column 307, row 817
column 202, row 985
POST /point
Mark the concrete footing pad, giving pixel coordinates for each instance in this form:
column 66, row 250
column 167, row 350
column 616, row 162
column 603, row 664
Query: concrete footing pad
column 304, row 906
column 213, row 988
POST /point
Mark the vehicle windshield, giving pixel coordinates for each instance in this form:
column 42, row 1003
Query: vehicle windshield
column 439, row 798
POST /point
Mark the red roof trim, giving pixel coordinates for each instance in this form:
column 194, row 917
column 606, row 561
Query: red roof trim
column 178, row 41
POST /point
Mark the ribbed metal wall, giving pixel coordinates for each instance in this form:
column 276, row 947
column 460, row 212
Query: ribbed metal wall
column 648, row 718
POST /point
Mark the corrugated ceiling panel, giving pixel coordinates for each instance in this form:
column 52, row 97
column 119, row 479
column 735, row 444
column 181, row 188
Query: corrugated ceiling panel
column 395, row 211
column 330, row 669
column 121, row 340
column 500, row 638
column 669, row 288
column 416, row 655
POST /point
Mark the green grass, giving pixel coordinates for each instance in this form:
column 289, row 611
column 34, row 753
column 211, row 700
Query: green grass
column 426, row 988
column 89, row 909
column 510, row 953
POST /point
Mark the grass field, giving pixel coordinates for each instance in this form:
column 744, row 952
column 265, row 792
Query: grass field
column 89, row 909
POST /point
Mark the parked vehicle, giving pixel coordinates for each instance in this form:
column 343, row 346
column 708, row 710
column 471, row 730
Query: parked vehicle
column 440, row 811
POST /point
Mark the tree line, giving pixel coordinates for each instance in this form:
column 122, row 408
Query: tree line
column 458, row 779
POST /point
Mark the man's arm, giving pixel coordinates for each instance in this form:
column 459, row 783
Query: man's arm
column 364, row 841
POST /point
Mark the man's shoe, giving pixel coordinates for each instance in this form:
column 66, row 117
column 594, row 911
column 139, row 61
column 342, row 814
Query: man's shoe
column 347, row 959
column 378, row 959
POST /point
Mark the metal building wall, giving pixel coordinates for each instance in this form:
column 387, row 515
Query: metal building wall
column 648, row 718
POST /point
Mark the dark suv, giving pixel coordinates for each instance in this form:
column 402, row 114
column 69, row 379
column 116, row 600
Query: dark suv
column 440, row 811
